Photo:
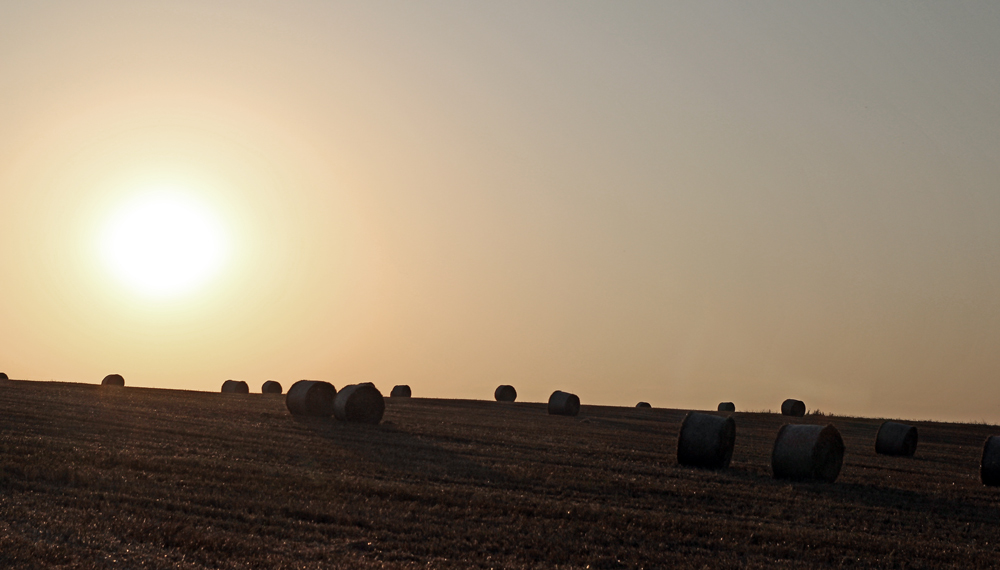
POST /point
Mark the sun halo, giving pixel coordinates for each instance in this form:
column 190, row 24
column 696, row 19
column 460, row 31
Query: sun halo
column 163, row 244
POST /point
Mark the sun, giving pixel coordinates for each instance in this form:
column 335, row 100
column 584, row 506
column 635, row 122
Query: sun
column 164, row 243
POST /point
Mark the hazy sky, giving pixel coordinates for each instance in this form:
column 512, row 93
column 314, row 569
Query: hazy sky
column 681, row 203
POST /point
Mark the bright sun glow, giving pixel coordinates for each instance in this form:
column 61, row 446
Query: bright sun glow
column 164, row 244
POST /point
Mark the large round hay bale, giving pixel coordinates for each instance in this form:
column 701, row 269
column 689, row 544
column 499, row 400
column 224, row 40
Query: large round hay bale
column 794, row 408
column 311, row 398
column 564, row 404
column 3, row 376
column 896, row 439
column 113, row 380
column 235, row 387
column 505, row 393
column 727, row 407
column 989, row 468
column 706, row 441
column 401, row 391
column 643, row 405
column 807, row 452
column 270, row 387
column 361, row 403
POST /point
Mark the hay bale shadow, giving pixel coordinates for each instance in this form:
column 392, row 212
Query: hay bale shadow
column 906, row 501
column 390, row 447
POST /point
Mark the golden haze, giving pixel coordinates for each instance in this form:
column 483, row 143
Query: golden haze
column 681, row 205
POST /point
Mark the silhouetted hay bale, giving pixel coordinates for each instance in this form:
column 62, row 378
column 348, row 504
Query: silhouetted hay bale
column 311, row 398
column 896, row 439
column 505, row 393
column 794, row 408
column 270, row 387
column 361, row 403
column 401, row 391
column 235, row 387
column 804, row 452
column 989, row 468
column 3, row 376
column 706, row 441
column 564, row 404
column 727, row 407
column 113, row 380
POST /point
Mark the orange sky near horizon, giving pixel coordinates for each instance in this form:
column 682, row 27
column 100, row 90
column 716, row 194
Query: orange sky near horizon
column 676, row 204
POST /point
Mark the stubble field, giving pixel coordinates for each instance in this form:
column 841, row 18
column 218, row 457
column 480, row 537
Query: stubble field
column 94, row 477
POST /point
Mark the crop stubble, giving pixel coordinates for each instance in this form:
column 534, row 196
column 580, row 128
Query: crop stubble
column 111, row 478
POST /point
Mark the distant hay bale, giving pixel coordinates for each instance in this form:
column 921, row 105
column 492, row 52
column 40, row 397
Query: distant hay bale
column 505, row 393
column 401, row 391
column 727, row 407
column 896, row 439
column 270, row 387
column 3, row 376
column 564, row 404
column 360, row 403
column 794, row 408
column 807, row 452
column 643, row 405
column 113, row 380
column 706, row 441
column 989, row 469
column 311, row 398
column 235, row 387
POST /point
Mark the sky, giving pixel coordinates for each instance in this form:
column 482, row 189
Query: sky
column 680, row 203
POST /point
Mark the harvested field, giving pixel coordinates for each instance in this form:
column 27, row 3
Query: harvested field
column 144, row 478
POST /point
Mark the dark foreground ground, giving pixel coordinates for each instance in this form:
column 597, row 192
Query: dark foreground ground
column 95, row 477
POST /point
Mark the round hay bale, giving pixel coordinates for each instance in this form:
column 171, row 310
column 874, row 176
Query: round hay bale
column 361, row 403
column 989, row 468
column 401, row 391
column 794, row 408
column 113, row 380
column 727, row 407
column 505, row 393
column 311, row 398
column 564, row 404
column 810, row 452
column 643, row 405
column 235, row 387
column 3, row 376
column 706, row 441
column 896, row 439
column 270, row 387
